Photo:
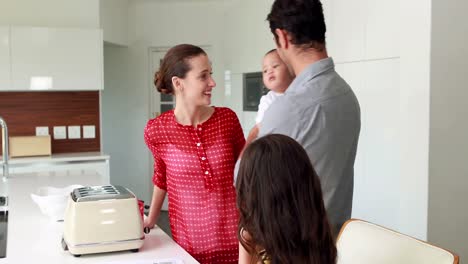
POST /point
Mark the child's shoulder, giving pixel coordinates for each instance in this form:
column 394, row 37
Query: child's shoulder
column 269, row 97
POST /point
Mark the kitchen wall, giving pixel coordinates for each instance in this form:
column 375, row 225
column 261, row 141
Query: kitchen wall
column 415, row 41
column 246, row 40
column 123, row 116
column 448, row 173
column 114, row 21
column 24, row 111
column 360, row 39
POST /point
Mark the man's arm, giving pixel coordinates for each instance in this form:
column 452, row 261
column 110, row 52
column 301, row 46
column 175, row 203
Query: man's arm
column 280, row 118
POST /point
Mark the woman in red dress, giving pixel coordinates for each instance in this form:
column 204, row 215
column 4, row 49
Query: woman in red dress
column 195, row 147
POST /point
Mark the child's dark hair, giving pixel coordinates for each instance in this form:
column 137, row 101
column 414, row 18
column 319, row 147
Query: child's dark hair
column 270, row 51
column 280, row 203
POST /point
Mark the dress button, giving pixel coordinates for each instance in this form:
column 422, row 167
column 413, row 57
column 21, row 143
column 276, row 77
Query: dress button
column 206, row 172
column 203, row 158
column 198, row 144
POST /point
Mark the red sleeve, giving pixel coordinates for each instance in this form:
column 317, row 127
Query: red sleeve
column 159, row 173
column 238, row 139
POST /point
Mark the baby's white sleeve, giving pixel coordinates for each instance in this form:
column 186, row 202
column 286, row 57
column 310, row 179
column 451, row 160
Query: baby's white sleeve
column 262, row 107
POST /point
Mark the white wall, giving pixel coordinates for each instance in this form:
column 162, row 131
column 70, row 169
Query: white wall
column 414, row 115
column 448, row 173
column 50, row 13
column 167, row 23
column 369, row 61
column 114, row 21
column 117, row 104
column 123, row 119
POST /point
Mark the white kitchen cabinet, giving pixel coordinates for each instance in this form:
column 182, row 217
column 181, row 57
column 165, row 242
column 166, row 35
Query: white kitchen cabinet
column 382, row 39
column 5, row 81
column 346, row 30
column 59, row 59
column 362, row 29
column 379, row 143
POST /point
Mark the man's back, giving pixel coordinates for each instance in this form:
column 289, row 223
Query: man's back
column 321, row 112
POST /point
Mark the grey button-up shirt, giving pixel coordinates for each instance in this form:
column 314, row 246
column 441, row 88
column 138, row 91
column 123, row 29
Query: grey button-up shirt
column 321, row 112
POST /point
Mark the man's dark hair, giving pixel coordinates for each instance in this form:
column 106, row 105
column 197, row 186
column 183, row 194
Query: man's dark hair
column 303, row 19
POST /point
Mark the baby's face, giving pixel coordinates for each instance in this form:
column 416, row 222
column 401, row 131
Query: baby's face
column 276, row 76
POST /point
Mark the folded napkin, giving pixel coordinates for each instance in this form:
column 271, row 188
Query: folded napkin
column 53, row 201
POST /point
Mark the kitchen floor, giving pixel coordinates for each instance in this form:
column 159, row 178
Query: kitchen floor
column 163, row 222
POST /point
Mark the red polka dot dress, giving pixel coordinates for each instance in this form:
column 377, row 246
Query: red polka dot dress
column 195, row 166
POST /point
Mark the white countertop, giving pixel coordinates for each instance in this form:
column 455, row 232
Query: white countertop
column 33, row 237
column 62, row 157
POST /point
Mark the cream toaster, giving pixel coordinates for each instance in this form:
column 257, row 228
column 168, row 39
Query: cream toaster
column 102, row 219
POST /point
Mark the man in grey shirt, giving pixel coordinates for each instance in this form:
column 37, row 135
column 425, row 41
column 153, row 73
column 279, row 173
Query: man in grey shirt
column 319, row 109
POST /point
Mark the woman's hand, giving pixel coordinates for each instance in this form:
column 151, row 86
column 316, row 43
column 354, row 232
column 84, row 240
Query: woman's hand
column 156, row 204
column 149, row 222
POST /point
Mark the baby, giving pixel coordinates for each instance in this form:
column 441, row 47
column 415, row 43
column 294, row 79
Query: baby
column 276, row 77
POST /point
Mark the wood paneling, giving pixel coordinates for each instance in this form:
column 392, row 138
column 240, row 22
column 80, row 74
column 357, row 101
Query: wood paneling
column 23, row 111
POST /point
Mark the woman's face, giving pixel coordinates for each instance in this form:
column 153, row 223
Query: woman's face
column 197, row 85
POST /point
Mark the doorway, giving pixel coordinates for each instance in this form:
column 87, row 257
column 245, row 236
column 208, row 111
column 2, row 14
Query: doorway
column 159, row 103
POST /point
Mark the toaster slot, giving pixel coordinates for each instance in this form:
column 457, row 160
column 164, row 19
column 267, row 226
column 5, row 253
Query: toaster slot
column 95, row 193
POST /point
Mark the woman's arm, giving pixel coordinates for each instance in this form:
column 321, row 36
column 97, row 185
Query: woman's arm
column 156, row 204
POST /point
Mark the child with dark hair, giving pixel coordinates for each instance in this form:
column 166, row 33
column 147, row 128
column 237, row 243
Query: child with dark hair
column 282, row 214
column 276, row 77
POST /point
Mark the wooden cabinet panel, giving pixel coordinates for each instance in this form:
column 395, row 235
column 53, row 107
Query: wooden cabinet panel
column 24, row 111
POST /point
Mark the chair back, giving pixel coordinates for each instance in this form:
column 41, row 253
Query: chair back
column 366, row 243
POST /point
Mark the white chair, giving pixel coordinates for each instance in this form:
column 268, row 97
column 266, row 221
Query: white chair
column 366, row 243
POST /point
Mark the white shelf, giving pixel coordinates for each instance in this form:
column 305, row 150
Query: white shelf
column 55, row 158
column 95, row 161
